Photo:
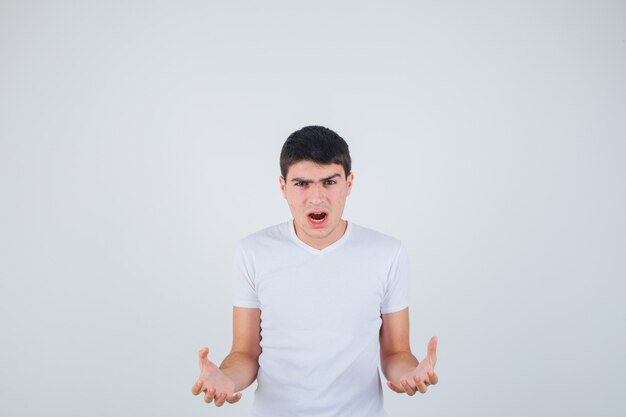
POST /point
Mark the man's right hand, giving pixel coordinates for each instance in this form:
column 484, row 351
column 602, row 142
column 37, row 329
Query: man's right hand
column 212, row 381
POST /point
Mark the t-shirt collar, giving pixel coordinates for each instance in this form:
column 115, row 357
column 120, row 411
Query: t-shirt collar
column 311, row 249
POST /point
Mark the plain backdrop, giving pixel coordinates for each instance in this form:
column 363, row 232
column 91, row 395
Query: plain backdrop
column 139, row 142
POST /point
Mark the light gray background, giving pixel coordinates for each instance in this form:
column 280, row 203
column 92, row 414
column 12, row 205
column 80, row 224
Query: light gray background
column 140, row 141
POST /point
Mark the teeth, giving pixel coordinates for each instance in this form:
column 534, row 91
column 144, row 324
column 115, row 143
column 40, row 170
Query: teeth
column 317, row 216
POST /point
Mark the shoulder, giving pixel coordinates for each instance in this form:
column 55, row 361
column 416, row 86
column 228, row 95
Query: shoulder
column 366, row 237
column 271, row 236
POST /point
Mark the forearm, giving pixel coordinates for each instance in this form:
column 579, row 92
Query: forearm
column 398, row 364
column 241, row 368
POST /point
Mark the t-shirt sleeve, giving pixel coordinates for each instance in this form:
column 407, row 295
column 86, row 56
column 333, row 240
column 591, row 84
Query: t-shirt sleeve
column 396, row 296
column 244, row 289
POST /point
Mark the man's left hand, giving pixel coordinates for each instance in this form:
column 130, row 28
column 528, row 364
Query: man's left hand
column 421, row 377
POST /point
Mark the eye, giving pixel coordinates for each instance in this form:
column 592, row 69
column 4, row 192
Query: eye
column 330, row 182
column 299, row 184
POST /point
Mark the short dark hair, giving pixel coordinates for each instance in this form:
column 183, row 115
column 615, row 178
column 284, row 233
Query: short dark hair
column 317, row 144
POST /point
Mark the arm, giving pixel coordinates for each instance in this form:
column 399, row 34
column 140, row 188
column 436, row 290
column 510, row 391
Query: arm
column 403, row 371
column 396, row 358
column 239, row 369
column 242, row 363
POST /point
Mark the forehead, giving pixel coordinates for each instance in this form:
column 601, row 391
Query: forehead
column 313, row 170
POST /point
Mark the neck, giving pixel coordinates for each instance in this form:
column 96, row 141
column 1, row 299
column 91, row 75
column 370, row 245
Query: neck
column 320, row 244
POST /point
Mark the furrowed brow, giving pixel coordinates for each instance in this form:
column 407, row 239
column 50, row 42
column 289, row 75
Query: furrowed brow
column 301, row 180
column 307, row 181
column 331, row 177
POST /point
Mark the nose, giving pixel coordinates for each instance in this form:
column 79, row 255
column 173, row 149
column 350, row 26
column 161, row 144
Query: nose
column 316, row 193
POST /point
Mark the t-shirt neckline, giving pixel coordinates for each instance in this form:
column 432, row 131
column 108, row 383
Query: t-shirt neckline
column 311, row 249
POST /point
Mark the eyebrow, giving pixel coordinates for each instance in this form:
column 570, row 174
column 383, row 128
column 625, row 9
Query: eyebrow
column 298, row 179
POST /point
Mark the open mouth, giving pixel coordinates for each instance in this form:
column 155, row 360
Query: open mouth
column 318, row 217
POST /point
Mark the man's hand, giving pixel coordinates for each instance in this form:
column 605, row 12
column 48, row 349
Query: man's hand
column 420, row 377
column 212, row 381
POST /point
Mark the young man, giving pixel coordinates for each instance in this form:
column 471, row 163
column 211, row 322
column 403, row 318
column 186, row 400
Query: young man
column 318, row 301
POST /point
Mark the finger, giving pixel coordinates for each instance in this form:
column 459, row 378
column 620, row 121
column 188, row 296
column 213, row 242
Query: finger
column 432, row 351
column 202, row 356
column 407, row 387
column 394, row 387
column 419, row 383
column 197, row 388
column 232, row 399
column 209, row 396
column 432, row 377
column 219, row 400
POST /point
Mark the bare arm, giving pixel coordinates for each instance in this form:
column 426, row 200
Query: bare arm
column 403, row 371
column 239, row 369
column 242, row 363
column 395, row 350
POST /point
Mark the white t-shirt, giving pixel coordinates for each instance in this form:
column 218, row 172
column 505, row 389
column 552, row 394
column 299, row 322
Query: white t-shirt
column 320, row 318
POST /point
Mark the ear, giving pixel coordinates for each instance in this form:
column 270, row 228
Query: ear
column 349, row 181
column 281, row 181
